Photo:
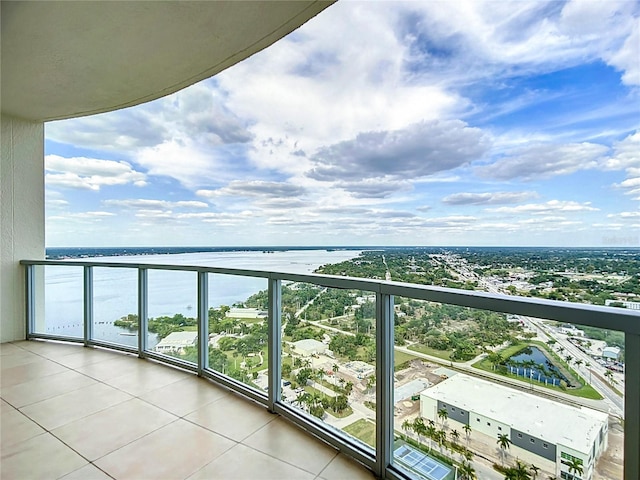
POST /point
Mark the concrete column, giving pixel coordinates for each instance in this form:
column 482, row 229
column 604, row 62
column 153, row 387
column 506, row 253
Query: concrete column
column 21, row 216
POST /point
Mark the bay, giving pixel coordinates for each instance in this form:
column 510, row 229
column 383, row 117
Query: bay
column 115, row 291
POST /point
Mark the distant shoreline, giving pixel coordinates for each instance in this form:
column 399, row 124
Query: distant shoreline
column 57, row 253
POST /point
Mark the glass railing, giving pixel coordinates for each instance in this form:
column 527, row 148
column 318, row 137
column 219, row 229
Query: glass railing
column 413, row 381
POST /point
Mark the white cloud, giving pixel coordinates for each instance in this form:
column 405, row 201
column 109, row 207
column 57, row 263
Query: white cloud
column 143, row 203
column 487, row 198
column 626, row 153
column 90, row 173
column 547, row 208
column 544, row 161
column 420, row 150
column 255, row 188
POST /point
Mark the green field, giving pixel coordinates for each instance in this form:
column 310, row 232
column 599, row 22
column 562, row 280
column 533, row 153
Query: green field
column 443, row 354
column 364, row 430
column 400, row 358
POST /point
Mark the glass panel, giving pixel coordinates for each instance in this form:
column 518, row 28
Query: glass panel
column 173, row 308
column 524, row 393
column 115, row 305
column 329, row 356
column 238, row 328
column 59, row 301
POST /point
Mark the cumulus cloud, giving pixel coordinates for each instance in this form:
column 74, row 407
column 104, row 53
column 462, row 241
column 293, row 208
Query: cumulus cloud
column 420, row 150
column 544, row 161
column 374, row 187
column 143, row 203
column 487, row 198
column 90, row 173
column 255, row 188
column 547, row 208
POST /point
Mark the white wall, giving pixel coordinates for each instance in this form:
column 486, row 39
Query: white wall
column 21, row 216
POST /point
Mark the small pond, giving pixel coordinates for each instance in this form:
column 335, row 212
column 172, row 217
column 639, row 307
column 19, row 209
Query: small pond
column 533, row 364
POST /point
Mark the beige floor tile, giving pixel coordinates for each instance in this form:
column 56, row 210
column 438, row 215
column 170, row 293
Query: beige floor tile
column 86, row 356
column 345, row 468
column 22, row 357
column 26, row 460
column 57, row 411
column 16, row 428
column 242, row 463
column 171, row 452
column 114, row 367
column 42, row 388
column 232, row 416
column 88, row 472
column 24, row 373
column 185, row 396
column 143, row 380
column 51, row 349
column 103, row 432
column 10, row 348
column 289, row 443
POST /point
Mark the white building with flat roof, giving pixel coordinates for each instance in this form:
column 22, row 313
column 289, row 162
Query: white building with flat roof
column 176, row 342
column 540, row 429
column 308, row 347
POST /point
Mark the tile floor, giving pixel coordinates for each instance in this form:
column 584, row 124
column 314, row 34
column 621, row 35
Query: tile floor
column 71, row 412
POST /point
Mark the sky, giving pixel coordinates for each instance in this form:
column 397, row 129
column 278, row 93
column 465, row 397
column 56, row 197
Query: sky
column 377, row 123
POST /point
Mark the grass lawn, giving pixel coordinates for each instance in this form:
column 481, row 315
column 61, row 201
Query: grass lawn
column 400, row 358
column 364, row 430
column 585, row 391
column 443, row 354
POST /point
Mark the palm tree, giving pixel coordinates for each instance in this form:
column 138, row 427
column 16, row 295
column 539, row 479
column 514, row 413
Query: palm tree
column 443, row 414
column 560, row 349
column 609, row 375
column 467, row 472
column 441, row 438
column 534, row 471
column 455, row 436
column 578, row 362
column 520, row 471
column 568, row 359
column 503, row 442
column 419, row 427
column 406, row 426
column 575, row 466
column 431, row 432
column 467, row 431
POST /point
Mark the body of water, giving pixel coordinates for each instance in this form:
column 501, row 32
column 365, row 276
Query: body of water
column 170, row 292
column 532, row 363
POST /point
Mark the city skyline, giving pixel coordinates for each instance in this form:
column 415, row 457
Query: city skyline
column 377, row 124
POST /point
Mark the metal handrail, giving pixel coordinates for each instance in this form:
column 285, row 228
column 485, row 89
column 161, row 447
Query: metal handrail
column 380, row 460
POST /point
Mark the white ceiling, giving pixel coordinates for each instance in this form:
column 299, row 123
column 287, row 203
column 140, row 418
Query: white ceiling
column 63, row 59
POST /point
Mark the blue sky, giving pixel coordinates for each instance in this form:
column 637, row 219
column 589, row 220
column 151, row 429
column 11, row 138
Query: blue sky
column 378, row 123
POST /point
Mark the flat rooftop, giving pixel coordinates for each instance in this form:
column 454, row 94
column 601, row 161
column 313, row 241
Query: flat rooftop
column 555, row 422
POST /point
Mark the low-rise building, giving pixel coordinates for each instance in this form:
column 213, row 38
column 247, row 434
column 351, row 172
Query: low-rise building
column 177, row 342
column 309, row 347
column 541, row 431
column 247, row 313
column 611, row 353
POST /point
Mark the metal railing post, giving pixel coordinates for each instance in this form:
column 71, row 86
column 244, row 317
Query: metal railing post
column 30, row 288
column 384, row 383
column 275, row 342
column 88, row 305
column 143, row 310
column 203, row 321
column 631, row 406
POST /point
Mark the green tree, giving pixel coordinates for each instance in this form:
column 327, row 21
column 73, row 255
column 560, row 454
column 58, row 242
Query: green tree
column 504, row 443
column 467, row 431
column 443, row 414
column 575, row 466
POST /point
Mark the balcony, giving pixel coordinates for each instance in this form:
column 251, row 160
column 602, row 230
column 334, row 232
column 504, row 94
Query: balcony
column 237, row 417
column 71, row 412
